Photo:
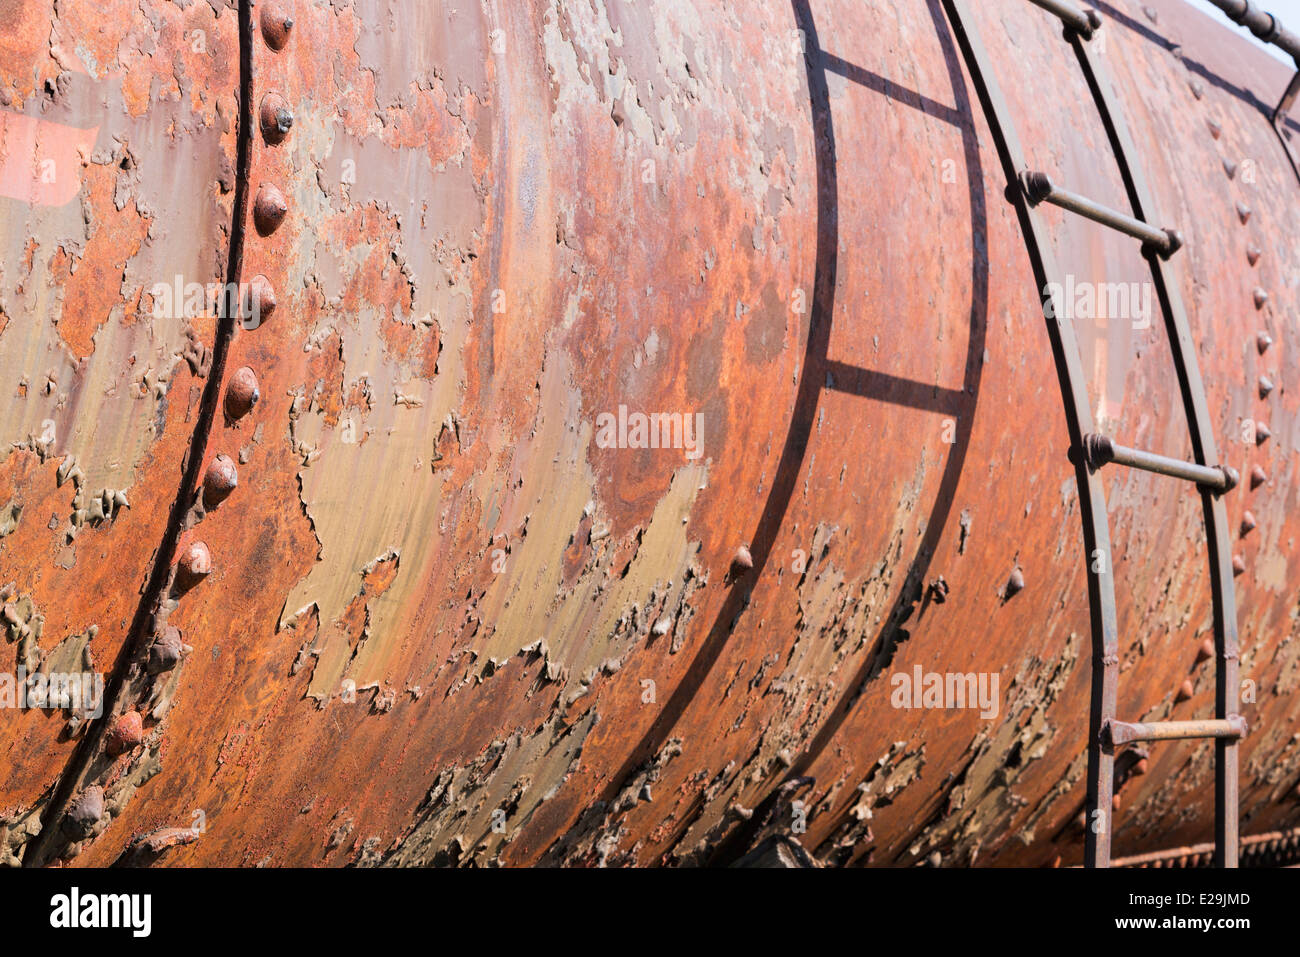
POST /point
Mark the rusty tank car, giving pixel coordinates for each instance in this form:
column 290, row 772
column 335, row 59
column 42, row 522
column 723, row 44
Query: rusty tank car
column 566, row 433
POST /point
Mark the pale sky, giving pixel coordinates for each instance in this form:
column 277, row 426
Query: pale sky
column 1288, row 11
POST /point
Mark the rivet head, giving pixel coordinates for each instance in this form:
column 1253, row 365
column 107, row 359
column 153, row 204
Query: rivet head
column 242, row 393
column 1216, row 128
column 1114, row 802
column 195, row 564
column 85, row 811
column 1243, row 213
column 1185, row 691
column 1238, row 565
column 1261, row 297
column 1252, row 254
column 276, row 25
column 1015, row 583
column 1230, row 168
column 1248, row 522
column 166, row 651
column 1265, row 386
column 1142, row 766
column 742, row 558
column 1206, row 651
column 939, row 590
column 275, row 118
column 1262, row 433
column 269, row 208
column 1258, row 477
column 220, row 480
column 126, row 733
column 1262, row 342
column 259, row 302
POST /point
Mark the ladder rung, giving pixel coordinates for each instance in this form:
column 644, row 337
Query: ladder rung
column 1081, row 22
column 1099, row 450
column 1124, row 732
column 1039, row 188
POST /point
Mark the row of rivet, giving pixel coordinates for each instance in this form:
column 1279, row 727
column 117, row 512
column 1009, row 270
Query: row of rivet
column 221, row 478
column 1264, row 385
column 269, row 208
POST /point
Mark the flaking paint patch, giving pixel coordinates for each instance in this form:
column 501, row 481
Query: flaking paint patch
column 502, row 786
column 393, row 473
column 983, row 799
column 892, row 772
column 123, row 379
column 594, row 622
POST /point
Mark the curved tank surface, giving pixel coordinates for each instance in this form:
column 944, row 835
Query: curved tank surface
column 597, row 433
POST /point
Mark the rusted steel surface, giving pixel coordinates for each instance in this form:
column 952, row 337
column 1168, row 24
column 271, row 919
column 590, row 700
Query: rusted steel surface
column 116, row 150
column 397, row 581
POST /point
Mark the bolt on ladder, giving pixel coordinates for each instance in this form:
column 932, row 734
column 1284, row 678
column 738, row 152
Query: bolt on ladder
column 1091, row 451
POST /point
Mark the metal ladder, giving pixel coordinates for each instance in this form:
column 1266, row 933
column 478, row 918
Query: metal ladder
column 1090, row 451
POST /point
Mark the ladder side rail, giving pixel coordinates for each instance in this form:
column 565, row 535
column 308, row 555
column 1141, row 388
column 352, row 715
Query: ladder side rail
column 1092, row 499
column 1196, row 409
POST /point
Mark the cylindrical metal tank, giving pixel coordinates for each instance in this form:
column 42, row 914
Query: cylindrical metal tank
column 616, row 406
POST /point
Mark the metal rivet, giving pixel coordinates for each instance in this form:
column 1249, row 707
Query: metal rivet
column 1206, row 651
column 1185, row 691
column 939, row 590
column 1262, row 433
column 1141, row 767
column 166, row 650
column 1257, row 477
column 1248, row 522
column 127, row 733
column 1261, row 297
column 1216, row 129
column 241, row 393
column 1114, row 802
column 268, row 209
column 1265, row 386
column 1262, row 342
column 1252, row 254
column 1243, row 213
column 259, row 302
column 195, row 564
column 1015, row 583
column 86, row 811
column 275, row 118
column 1238, row 565
column 742, row 558
column 275, row 26
column 220, row 480
column 1230, row 168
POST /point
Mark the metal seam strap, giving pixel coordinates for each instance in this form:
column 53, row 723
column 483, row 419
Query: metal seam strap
column 154, row 590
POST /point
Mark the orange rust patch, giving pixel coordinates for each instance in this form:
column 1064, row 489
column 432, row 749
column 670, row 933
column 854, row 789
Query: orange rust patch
column 92, row 289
